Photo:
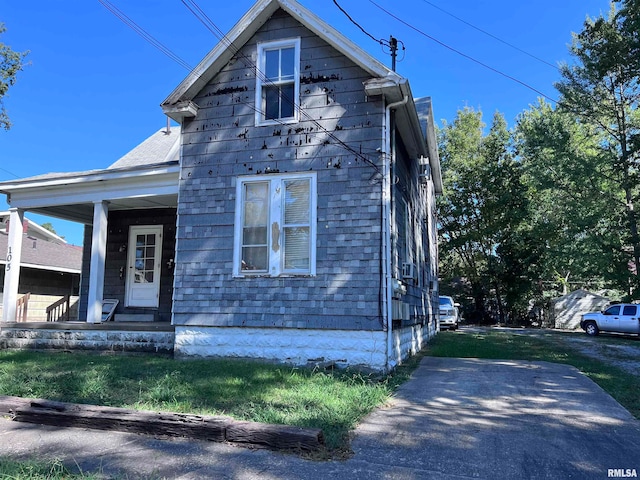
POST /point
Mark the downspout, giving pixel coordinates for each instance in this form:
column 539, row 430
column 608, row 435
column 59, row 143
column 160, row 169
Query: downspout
column 387, row 202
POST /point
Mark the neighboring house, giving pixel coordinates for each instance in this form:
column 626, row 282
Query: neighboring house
column 291, row 217
column 568, row 309
column 50, row 268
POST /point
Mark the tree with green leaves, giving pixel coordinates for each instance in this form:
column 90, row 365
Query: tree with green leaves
column 49, row 227
column 11, row 62
column 570, row 197
column 601, row 91
column 481, row 214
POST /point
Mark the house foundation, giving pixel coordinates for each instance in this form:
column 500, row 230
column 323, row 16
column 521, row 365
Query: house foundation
column 154, row 338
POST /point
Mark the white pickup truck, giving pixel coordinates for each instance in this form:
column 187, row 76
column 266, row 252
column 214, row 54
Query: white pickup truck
column 621, row 318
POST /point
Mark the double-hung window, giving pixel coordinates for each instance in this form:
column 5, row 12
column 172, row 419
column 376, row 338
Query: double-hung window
column 278, row 81
column 275, row 229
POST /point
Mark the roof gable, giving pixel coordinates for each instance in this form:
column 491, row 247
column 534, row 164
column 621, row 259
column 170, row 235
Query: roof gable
column 384, row 81
column 176, row 104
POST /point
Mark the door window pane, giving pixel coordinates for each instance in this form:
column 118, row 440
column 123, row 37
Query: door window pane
column 145, row 258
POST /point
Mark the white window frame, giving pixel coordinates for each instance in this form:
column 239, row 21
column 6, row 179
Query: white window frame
column 275, row 224
column 261, row 80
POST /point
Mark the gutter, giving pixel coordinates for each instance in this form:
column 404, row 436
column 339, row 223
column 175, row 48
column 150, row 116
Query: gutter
column 387, row 225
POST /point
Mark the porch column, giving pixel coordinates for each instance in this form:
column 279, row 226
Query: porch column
column 12, row 268
column 98, row 255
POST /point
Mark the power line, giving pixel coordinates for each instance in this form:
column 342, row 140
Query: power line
column 144, row 34
column 491, row 35
column 211, row 26
column 391, row 44
column 468, row 57
column 380, row 41
column 10, row 173
column 195, row 9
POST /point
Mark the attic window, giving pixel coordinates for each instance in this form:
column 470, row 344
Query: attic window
column 278, row 81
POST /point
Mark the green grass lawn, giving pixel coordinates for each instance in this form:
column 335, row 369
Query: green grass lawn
column 34, row 470
column 252, row 391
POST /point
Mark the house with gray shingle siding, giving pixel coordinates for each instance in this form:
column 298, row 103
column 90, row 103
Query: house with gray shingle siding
column 290, row 216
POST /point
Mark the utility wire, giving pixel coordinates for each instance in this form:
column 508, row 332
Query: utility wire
column 559, row 103
column 10, row 173
column 468, row 57
column 491, row 35
column 195, row 9
column 380, row 41
column 144, row 34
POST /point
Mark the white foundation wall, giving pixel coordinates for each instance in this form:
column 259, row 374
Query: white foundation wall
column 408, row 341
column 347, row 348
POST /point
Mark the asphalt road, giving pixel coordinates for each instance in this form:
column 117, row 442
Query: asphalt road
column 455, row 419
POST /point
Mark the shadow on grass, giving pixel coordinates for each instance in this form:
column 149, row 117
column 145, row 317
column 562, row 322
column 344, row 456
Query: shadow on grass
column 334, row 401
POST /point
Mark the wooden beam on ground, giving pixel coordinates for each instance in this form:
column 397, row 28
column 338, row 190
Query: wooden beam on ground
column 275, row 437
column 8, row 405
column 212, row 428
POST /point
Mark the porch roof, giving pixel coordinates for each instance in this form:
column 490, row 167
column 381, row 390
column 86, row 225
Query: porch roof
column 146, row 177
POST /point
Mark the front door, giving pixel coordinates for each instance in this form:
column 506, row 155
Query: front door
column 143, row 266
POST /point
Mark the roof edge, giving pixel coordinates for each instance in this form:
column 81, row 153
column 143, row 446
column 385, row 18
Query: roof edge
column 96, row 175
column 175, row 104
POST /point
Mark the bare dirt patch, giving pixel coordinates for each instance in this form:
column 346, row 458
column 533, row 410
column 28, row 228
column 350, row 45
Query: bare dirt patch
column 623, row 353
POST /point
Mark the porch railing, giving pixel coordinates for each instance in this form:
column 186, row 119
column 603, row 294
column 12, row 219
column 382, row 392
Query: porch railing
column 59, row 311
column 22, row 305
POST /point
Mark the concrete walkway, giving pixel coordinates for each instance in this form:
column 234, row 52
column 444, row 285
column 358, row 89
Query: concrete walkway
column 455, row 419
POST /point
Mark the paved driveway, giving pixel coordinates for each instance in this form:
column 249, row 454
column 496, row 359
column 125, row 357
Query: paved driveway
column 455, row 419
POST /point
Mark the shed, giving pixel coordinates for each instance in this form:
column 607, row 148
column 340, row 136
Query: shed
column 568, row 309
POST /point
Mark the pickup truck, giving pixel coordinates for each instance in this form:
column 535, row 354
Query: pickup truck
column 449, row 313
column 621, row 318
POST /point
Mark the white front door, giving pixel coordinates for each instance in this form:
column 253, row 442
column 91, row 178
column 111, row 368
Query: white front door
column 143, row 266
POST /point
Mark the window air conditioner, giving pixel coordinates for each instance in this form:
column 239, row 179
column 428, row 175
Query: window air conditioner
column 408, row 270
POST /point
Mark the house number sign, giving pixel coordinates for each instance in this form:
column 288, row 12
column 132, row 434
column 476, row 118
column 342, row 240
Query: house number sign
column 9, row 257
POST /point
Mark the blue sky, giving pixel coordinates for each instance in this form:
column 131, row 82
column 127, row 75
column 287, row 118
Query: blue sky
column 93, row 86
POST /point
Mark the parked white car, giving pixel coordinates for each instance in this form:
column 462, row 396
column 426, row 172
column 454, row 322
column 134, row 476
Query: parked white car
column 621, row 318
column 449, row 313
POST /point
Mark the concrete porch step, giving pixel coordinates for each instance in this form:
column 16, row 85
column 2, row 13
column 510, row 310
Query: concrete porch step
column 134, row 317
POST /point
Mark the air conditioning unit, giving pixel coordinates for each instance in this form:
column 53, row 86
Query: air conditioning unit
column 409, row 271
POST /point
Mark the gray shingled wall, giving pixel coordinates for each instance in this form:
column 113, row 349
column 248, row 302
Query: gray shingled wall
column 223, row 143
column 421, row 291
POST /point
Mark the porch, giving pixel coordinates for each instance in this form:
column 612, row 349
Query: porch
column 106, row 337
column 129, row 213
